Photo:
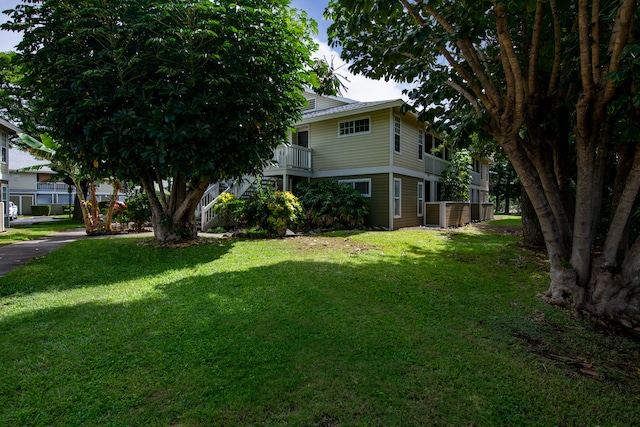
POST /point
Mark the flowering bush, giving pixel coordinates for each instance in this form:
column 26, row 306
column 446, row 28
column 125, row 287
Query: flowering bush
column 227, row 206
column 272, row 210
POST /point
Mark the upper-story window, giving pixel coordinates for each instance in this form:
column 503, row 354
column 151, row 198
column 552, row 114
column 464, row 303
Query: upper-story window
column 397, row 134
column 352, row 127
column 4, row 147
column 420, row 144
column 301, row 137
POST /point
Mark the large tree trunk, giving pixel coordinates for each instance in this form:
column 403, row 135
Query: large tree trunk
column 173, row 215
column 531, row 230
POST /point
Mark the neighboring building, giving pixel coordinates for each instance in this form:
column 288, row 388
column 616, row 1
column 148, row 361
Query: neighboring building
column 40, row 187
column 383, row 153
column 7, row 130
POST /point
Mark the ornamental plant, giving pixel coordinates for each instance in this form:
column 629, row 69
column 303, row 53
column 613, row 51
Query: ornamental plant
column 226, row 207
column 272, row 210
column 330, row 203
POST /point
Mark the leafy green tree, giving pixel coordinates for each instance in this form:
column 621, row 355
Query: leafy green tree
column 547, row 81
column 504, row 185
column 176, row 94
column 457, row 177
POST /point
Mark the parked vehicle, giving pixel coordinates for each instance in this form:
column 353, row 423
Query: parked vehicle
column 13, row 211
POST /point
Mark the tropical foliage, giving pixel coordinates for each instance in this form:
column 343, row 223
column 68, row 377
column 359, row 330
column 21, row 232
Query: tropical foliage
column 177, row 94
column 329, row 204
column 556, row 84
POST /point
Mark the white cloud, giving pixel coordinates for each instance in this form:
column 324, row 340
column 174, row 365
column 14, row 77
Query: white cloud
column 360, row 88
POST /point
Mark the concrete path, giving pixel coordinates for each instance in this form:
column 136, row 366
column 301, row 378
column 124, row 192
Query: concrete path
column 14, row 255
column 17, row 254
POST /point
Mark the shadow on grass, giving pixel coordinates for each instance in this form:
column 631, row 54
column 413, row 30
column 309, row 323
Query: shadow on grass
column 289, row 343
column 101, row 262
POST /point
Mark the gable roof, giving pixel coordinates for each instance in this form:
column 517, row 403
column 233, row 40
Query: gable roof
column 349, row 109
column 21, row 159
column 8, row 125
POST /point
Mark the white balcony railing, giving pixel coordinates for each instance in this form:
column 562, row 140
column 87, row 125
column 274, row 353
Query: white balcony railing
column 292, row 157
column 52, row 186
column 434, row 165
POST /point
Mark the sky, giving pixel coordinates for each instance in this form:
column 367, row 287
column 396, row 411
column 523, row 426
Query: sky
column 359, row 87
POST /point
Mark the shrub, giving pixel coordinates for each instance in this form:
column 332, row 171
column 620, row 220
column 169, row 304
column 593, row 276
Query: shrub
column 272, row 210
column 457, row 177
column 41, row 210
column 330, row 203
column 227, row 206
column 137, row 211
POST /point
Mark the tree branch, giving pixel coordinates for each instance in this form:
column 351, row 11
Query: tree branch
column 619, row 39
column 585, row 45
column 534, row 55
column 511, row 62
column 467, row 95
column 492, row 98
column 557, row 45
column 623, row 211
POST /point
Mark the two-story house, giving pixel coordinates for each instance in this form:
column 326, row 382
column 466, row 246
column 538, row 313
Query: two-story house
column 390, row 157
column 7, row 130
column 34, row 183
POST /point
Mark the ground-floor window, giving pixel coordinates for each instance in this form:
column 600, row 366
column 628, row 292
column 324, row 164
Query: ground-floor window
column 420, row 198
column 363, row 185
column 397, row 198
column 44, row 199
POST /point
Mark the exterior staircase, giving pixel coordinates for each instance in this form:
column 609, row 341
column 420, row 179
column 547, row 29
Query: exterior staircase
column 240, row 187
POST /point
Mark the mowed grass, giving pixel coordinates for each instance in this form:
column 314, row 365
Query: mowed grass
column 18, row 233
column 406, row 328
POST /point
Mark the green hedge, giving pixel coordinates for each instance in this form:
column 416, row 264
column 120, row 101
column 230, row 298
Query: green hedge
column 41, row 210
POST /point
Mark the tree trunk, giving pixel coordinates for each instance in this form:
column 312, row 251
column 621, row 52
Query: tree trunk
column 531, row 230
column 173, row 218
column 82, row 189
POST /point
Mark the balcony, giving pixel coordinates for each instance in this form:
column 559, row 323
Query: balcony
column 434, row 165
column 291, row 158
column 55, row 187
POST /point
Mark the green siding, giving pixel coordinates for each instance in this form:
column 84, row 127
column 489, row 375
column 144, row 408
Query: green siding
column 331, row 152
column 378, row 203
column 409, row 203
column 408, row 156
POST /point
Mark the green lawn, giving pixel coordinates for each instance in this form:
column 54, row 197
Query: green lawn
column 348, row 329
column 18, row 233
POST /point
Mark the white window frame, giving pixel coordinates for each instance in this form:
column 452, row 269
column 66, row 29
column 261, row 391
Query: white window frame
column 352, row 182
column 352, row 126
column 420, row 199
column 397, row 198
column 397, row 134
column 4, row 148
column 420, row 144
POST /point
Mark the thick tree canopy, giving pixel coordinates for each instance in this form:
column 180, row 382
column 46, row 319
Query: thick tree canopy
column 180, row 91
column 555, row 83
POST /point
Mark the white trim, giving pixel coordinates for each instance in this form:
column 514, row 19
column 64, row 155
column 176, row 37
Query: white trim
column 399, row 198
column 354, row 120
column 360, row 111
column 10, row 126
column 397, row 119
column 420, row 144
column 352, row 172
column 420, row 200
column 356, row 180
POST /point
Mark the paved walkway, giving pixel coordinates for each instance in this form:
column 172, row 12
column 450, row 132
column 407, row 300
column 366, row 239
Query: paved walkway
column 14, row 255
column 17, row 254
